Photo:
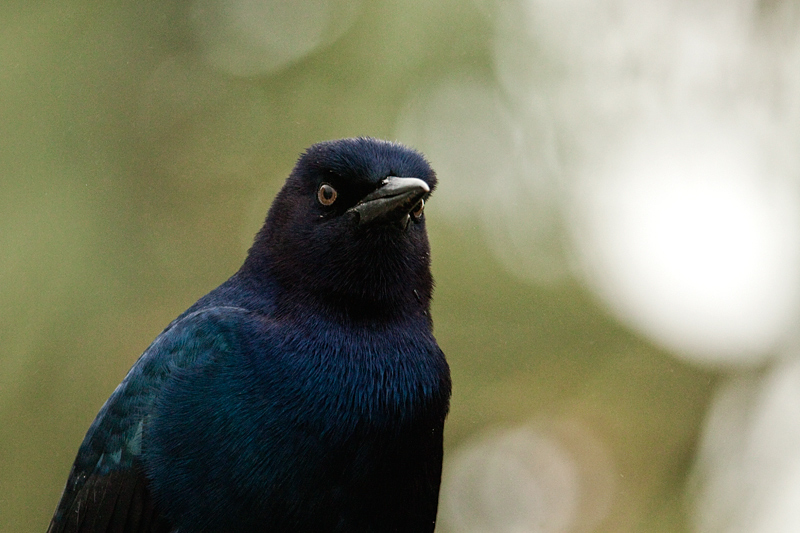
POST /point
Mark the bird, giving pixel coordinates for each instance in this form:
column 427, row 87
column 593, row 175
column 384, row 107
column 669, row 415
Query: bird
column 306, row 393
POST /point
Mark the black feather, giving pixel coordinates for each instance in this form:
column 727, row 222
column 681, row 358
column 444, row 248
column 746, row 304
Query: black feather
column 306, row 393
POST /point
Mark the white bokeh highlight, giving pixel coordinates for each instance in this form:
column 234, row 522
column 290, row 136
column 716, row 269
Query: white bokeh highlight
column 746, row 478
column 676, row 127
column 536, row 478
column 686, row 238
column 256, row 37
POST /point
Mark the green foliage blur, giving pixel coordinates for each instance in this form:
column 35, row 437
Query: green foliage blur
column 134, row 175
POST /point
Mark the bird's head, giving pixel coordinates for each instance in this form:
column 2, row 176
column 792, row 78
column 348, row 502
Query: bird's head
column 347, row 230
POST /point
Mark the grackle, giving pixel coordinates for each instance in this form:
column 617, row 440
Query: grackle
column 306, row 393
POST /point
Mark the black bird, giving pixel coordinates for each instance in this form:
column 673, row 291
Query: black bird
column 306, row 393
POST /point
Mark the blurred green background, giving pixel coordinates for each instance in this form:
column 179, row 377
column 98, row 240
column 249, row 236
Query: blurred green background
column 135, row 173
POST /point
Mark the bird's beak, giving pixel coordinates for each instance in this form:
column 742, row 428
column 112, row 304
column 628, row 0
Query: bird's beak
column 393, row 200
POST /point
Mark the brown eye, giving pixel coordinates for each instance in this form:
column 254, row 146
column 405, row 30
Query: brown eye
column 326, row 194
column 417, row 211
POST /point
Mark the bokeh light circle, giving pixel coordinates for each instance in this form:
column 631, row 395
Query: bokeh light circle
column 686, row 238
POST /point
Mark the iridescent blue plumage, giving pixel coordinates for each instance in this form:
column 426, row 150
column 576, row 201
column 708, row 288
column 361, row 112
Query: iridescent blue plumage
column 306, row 393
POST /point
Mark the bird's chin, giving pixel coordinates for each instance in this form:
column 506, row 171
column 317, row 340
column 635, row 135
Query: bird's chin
column 399, row 222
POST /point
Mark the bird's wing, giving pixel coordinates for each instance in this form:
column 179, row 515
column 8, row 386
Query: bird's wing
column 107, row 490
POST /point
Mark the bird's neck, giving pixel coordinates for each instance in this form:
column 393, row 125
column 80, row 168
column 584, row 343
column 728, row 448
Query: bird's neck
column 348, row 310
column 297, row 299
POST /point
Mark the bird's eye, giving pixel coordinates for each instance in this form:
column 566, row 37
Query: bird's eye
column 417, row 211
column 326, row 194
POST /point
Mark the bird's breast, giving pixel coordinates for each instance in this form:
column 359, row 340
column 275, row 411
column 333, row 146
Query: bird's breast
column 350, row 378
